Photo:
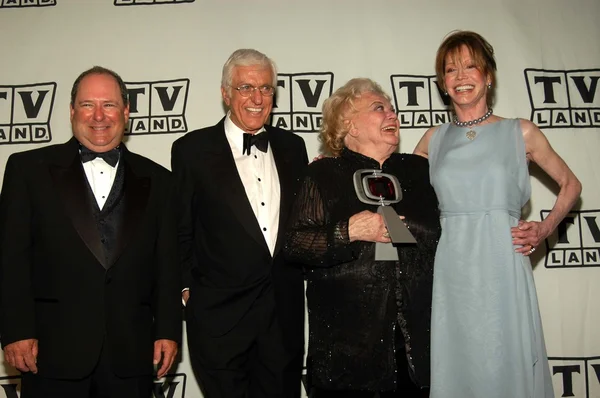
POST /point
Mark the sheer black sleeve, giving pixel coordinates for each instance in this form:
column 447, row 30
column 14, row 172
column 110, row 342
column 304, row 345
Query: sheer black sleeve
column 313, row 238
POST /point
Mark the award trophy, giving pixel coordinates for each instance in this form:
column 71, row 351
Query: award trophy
column 376, row 188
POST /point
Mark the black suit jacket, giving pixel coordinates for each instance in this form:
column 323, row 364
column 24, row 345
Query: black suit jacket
column 226, row 262
column 56, row 283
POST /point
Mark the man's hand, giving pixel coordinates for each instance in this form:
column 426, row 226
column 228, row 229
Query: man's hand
column 166, row 350
column 22, row 355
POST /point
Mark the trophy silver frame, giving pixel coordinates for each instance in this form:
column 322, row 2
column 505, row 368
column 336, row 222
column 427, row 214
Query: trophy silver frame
column 399, row 233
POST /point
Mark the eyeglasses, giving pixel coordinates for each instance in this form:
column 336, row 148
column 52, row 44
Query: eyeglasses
column 247, row 90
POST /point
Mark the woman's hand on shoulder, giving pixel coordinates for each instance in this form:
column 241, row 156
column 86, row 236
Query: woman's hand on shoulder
column 319, row 157
column 422, row 148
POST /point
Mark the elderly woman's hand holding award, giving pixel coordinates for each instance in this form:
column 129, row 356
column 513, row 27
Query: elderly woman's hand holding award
column 377, row 188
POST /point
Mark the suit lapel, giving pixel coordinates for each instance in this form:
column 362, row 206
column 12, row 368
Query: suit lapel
column 286, row 176
column 136, row 191
column 71, row 183
column 70, row 180
column 227, row 180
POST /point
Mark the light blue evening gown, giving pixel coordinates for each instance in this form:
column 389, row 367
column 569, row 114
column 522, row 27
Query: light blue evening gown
column 486, row 332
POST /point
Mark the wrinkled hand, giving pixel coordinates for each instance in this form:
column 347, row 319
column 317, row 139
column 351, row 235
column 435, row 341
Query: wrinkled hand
column 368, row 226
column 22, row 355
column 528, row 235
column 166, row 350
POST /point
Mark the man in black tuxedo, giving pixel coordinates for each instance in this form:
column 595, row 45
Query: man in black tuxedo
column 237, row 181
column 89, row 276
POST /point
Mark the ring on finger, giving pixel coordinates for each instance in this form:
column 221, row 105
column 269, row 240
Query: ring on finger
column 532, row 250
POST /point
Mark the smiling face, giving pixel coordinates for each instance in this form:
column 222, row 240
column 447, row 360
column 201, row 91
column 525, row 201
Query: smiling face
column 98, row 114
column 249, row 113
column 374, row 127
column 465, row 83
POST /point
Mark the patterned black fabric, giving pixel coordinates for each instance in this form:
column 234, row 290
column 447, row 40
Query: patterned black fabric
column 109, row 218
column 355, row 303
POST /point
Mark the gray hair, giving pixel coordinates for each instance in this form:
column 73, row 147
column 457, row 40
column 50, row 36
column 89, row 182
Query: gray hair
column 245, row 57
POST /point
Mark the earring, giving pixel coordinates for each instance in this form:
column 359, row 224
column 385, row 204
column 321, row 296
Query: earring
column 489, row 86
column 445, row 93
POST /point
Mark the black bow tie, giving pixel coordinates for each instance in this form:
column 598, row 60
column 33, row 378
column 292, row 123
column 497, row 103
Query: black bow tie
column 261, row 141
column 111, row 157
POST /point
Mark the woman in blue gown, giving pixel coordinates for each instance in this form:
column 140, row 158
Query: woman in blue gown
column 486, row 336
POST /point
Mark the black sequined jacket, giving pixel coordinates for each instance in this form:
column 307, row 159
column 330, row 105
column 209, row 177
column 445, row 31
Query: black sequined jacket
column 354, row 302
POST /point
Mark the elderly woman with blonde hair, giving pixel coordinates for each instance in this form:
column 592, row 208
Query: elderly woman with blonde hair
column 369, row 320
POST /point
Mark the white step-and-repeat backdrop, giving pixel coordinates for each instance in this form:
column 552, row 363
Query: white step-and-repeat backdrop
column 170, row 52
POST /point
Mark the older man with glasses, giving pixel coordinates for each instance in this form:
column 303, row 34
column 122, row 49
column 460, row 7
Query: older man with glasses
column 236, row 182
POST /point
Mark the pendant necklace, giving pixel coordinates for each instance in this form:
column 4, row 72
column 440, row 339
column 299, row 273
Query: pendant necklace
column 472, row 134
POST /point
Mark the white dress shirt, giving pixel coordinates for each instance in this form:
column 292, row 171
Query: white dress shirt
column 100, row 176
column 261, row 181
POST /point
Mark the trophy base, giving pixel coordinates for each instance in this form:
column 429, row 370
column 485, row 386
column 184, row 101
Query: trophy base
column 399, row 233
column 385, row 252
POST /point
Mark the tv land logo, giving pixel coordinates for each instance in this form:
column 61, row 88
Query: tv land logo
column 575, row 377
column 575, row 242
column 299, row 100
column 149, row 2
column 171, row 386
column 564, row 98
column 419, row 101
column 26, row 3
column 157, row 107
column 25, row 112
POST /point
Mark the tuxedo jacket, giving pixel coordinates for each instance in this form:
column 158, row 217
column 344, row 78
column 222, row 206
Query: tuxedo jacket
column 56, row 283
column 225, row 259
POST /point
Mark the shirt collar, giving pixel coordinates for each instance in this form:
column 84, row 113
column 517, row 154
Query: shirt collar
column 235, row 135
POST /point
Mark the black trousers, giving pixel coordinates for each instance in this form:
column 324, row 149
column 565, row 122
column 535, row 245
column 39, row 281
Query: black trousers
column 405, row 386
column 250, row 361
column 102, row 383
column 369, row 394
